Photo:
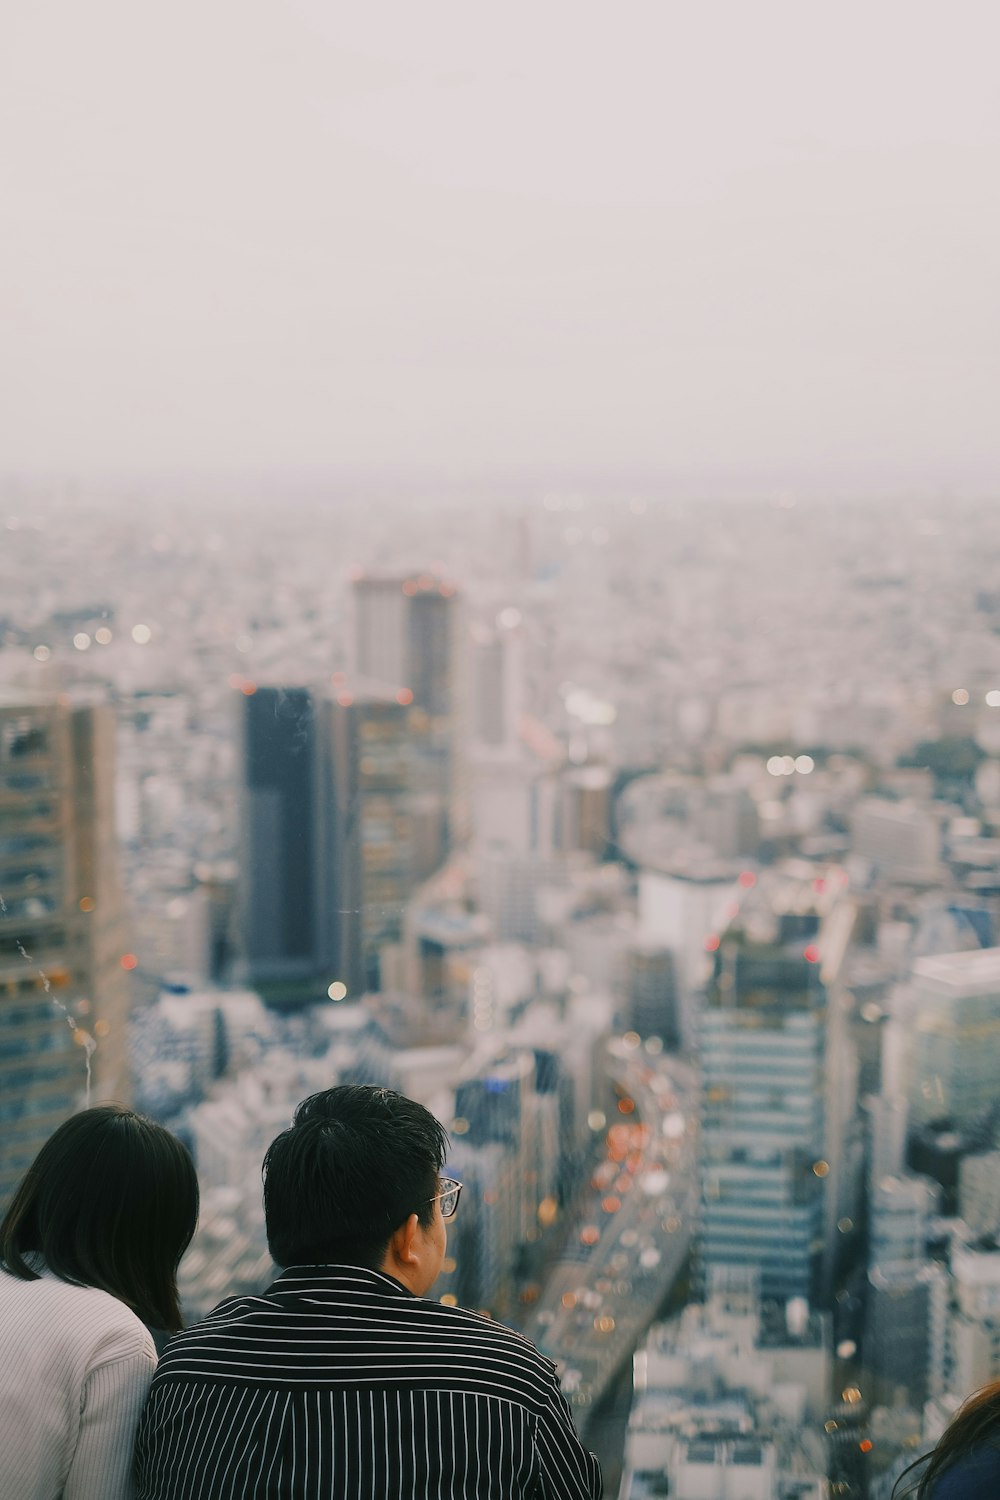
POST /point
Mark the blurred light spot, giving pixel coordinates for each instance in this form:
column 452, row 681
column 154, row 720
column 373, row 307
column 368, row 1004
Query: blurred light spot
column 821, row 1168
column 337, row 990
column 103, row 636
column 509, row 619
column 597, row 1119
column 459, row 1126
column 811, row 953
column 845, row 1225
column 804, row 764
column 712, row 942
column 128, row 961
column 626, row 1106
column 747, row 879
column 142, row 635
column 611, row 1204
column 101, row 1028
column 993, row 698
column 345, row 699
column 866, row 1445
column 851, row 1395
column 244, row 643
column 81, row 641
column 405, row 697
column 248, row 688
column 632, row 1040
column 548, row 1211
column 41, row 653
column 449, row 1300
column 604, row 1324
column 87, row 903
column 590, row 1235
column 960, row 696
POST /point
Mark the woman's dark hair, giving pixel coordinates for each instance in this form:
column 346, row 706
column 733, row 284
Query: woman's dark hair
column 354, row 1164
column 976, row 1424
column 110, row 1201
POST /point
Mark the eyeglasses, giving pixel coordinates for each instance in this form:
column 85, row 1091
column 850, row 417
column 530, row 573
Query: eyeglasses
column 451, row 1191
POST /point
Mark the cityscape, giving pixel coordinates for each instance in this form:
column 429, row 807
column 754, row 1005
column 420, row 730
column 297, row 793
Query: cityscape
column 652, row 844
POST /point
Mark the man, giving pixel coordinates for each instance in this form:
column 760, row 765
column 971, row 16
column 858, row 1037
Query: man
column 343, row 1381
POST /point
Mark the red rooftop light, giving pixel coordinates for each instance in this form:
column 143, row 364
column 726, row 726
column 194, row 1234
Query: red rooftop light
column 747, row 879
column 811, row 953
column 711, row 942
column 129, row 961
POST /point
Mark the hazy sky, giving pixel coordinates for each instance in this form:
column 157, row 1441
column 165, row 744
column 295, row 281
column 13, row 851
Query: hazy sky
column 755, row 241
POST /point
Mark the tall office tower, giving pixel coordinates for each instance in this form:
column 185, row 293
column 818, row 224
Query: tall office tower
column 955, row 1058
column 764, row 1162
column 407, row 632
column 651, row 994
column 61, row 921
column 370, row 852
column 901, row 1290
column 979, row 1192
column 284, row 894
column 496, row 690
column 326, row 864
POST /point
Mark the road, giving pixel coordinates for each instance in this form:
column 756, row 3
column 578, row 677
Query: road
column 631, row 1230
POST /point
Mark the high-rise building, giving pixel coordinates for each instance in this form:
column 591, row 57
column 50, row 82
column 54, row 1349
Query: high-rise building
column 326, row 866
column 371, row 837
column 651, row 993
column 283, row 878
column 407, row 632
column 63, row 987
column 955, row 1059
column 764, row 1163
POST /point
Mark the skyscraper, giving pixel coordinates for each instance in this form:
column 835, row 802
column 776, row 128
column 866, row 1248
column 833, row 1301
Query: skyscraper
column 956, row 1044
column 407, row 633
column 63, row 989
column 326, row 865
column 764, row 1167
column 370, row 852
column 283, row 884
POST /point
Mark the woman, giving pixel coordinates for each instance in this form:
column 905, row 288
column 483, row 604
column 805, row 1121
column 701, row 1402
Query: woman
column 89, row 1250
column 965, row 1465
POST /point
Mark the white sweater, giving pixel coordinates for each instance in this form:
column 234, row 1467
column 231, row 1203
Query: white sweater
column 75, row 1365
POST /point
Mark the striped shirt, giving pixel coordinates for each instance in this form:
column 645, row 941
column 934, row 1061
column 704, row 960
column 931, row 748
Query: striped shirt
column 339, row 1384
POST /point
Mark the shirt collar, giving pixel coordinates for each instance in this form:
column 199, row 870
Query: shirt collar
column 335, row 1281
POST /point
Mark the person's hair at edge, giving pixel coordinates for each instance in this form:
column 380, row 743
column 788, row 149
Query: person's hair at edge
column 354, row 1164
column 975, row 1425
column 110, row 1201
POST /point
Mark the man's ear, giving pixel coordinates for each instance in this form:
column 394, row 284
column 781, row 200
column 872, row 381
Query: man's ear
column 403, row 1242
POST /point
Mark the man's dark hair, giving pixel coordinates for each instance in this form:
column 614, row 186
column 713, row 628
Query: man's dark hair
column 110, row 1201
column 354, row 1164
